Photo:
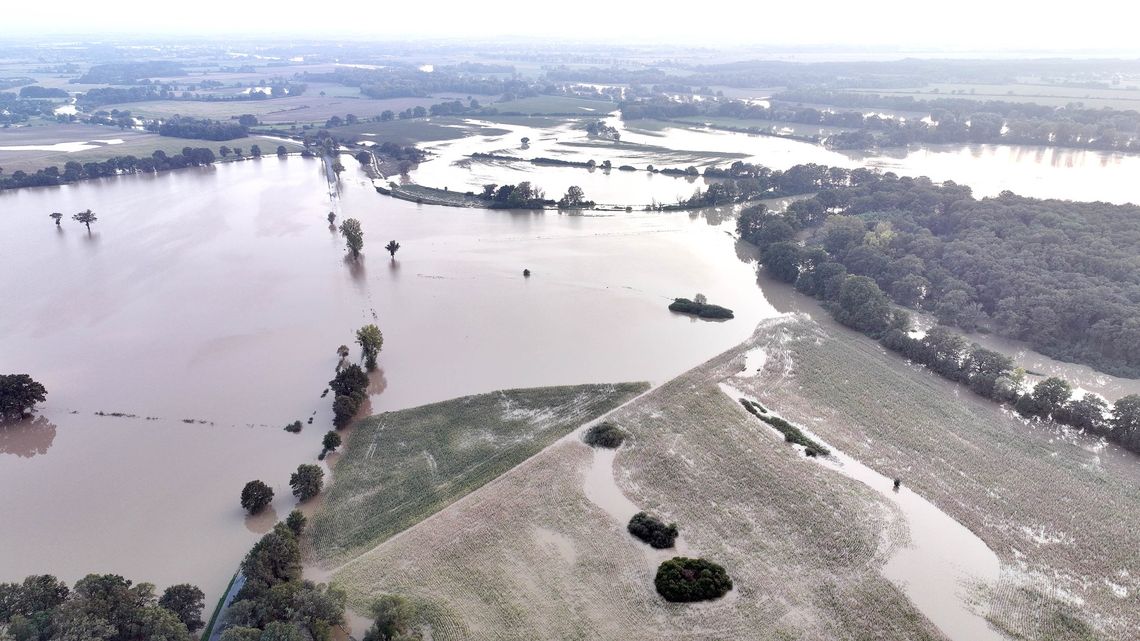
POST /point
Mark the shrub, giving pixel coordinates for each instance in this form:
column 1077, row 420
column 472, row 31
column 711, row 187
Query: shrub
column 605, row 435
column 684, row 580
column 255, row 496
column 652, row 530
column 293, row 427
column 792, row 434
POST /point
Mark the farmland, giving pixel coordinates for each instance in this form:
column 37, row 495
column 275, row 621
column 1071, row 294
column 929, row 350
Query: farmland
column 400, row 467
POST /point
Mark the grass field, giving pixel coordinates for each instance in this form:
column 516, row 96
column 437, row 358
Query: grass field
column 400, row 467
column 414, row 130
column 135, row 143
column 532, row 556
column 782, row 127
column 1059, row 512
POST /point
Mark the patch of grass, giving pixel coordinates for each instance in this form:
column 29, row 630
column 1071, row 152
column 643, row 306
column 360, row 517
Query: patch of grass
column 604, row 434
column 400, row 467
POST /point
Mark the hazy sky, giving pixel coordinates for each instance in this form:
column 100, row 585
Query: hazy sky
column 964, row 24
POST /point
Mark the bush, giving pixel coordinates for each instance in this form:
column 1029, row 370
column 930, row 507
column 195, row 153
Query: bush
column 684, row 580
column 792, row 434
column 255, row 496
column 604, row 435
column 293, row 427
column 652, row 530
column 703, row 310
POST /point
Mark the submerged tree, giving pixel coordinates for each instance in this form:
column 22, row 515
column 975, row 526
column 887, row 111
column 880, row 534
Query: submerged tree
column 86, row 217
column 331, row 441
column 371, row 341
column 353, row 235
column 392, row 247
column 56, row 216
column 392, row 615
column 19, row 394
column 307, row 481
column 256, row 496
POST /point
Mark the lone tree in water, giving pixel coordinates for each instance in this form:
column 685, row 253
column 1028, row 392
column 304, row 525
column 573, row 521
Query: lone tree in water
column 19, row 394
column 307, row 481
column 86, row 217
column 371, row 341
column 56, row 216
column 255, row 496
column 392, row 247
column 332, row 217
column 331, row 441
column 353, row 235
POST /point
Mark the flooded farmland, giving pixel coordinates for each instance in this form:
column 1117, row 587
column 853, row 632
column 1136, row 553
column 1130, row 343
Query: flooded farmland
column 988, row 169
column 200, row 326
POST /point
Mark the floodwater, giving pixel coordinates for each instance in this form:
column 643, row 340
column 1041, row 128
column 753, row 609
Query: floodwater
column 943, row 563
column 1041, row 172
column 66, row 147
column 206, row 306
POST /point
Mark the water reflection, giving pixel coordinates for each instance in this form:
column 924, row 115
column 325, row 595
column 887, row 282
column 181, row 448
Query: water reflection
column 26, row 437
column 261, row 522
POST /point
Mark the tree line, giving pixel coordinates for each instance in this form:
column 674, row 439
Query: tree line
column 99, row 607
column 199, row 128
column 883, row 237
column 116, row 166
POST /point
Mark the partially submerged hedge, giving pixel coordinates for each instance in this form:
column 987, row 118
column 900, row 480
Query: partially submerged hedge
column 704, row 310
column 792, row 434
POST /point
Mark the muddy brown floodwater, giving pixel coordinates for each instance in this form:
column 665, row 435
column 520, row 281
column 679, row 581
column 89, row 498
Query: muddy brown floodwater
column 206, row 306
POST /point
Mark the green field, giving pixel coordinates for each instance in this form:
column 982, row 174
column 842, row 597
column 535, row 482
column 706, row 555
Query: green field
column 398, row 468
column 135, row 143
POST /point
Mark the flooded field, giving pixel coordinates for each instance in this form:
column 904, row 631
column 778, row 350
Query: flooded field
column 988, row 169
column 209, row 322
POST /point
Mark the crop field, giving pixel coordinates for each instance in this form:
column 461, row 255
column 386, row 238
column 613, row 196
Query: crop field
column 400, row 467
column 135, row 143
column 1058, row 510
column 1042, row 94
column 533, row 556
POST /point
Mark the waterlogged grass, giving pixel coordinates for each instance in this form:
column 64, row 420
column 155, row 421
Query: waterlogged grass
column 401, row 467
column 531, row 556
column 1056, row 510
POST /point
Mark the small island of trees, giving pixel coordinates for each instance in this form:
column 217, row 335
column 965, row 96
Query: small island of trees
column 19, row 394
column 684, row 580
column 699, row 307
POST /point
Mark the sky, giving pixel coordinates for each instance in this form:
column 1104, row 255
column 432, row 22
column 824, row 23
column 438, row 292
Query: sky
column 962, row 25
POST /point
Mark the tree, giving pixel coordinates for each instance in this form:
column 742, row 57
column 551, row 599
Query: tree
column 862, row 306
column 682, row 579
column 364, row 158
column 282, row 151
column 256, row 496
column 1051, row 395
column 19, row 394
column 86, row 217
column 574, row 198
column 224, row 151
column 371, row 341
column 392, row 247
column 525, row 141
column 255, row 151
column 392, row 616
column 186, row 602
column 1126, row 421
column 307, row 481
column 296, row 522
column 56, row 216
column 331, row 441
column 353, row 235
column 782, row 260
column 337, row 167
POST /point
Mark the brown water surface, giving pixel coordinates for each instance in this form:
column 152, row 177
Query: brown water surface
column 206, row 306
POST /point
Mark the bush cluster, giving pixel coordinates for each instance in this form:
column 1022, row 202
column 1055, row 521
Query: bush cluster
column 605, row 434
column 684, row 580
column 792, row 434
column 652, row 530
column 350, row 389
